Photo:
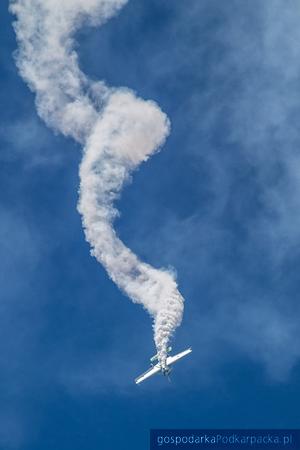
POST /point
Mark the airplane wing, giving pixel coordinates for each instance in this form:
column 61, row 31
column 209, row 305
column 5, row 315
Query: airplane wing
column 173, row 359
column 156, row 369
column 148, row 374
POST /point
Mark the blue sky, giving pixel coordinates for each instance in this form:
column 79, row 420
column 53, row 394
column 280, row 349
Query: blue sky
column 220, row 203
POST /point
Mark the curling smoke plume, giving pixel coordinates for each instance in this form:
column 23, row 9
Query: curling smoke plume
column 118, row 131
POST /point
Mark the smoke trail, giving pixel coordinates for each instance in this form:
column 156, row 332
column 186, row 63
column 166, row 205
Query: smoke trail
column 118, row 131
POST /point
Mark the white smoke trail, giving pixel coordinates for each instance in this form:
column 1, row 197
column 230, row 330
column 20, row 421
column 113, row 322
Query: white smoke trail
column 118, row 131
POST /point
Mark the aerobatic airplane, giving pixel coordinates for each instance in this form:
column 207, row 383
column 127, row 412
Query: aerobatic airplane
column 156, row 366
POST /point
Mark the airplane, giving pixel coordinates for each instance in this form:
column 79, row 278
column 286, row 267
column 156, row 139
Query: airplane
column 156, row 368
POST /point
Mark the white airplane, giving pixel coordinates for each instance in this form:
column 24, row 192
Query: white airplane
column 156, row 368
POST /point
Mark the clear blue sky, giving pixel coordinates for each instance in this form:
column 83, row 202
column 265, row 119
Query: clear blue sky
column 220, row 203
